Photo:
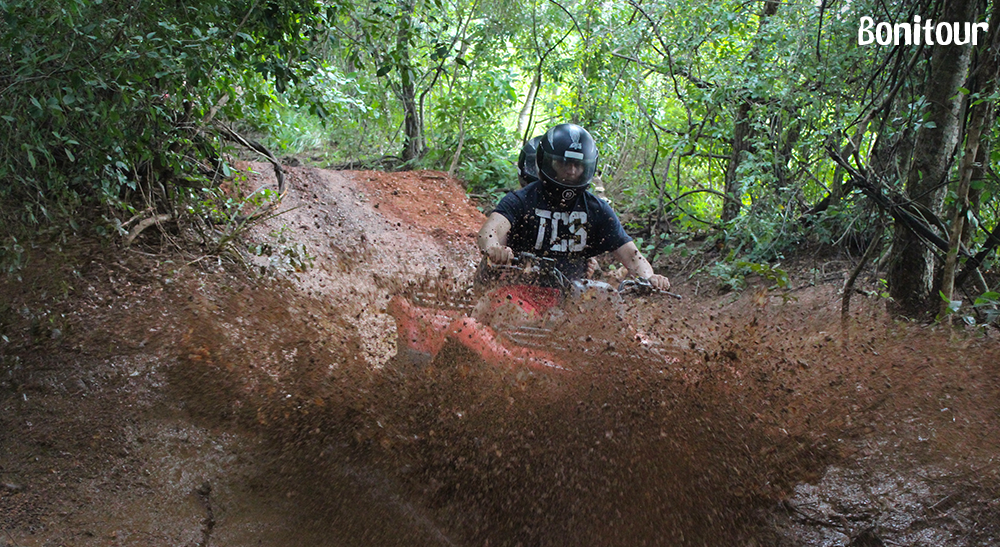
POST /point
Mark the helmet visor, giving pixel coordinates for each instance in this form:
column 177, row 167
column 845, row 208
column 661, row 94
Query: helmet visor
column 570, row 169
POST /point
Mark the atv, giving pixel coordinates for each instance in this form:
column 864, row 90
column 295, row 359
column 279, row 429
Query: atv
column 525, row 313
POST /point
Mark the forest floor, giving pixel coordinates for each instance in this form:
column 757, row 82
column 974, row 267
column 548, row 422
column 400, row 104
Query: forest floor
column 153, row 397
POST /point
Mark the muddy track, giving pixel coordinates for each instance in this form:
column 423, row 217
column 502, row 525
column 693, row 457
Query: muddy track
column 155, row 399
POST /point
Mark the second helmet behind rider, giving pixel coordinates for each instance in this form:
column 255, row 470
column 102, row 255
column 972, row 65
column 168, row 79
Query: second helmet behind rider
column 527, row 165
column 567, row 160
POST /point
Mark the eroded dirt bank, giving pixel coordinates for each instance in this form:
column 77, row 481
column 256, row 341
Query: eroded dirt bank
column 167, row 400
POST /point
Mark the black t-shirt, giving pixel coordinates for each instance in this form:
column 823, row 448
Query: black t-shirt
column 570, row 234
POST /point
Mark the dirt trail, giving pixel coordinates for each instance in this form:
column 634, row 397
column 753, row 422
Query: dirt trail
column 162, row 400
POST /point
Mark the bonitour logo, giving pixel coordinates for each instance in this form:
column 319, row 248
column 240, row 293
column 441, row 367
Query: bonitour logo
column 915, row 33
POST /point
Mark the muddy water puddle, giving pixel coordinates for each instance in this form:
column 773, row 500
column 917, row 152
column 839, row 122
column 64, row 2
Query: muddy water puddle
column 622, row 452
column 270, row 412
column 750, row 435
column 281, row 431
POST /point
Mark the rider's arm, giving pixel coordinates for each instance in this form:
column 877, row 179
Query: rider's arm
column 492, row 239
column 629, row 255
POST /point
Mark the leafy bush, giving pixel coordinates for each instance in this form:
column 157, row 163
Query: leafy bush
column 985, row 309
column 732, row 274
column 468, row 115
column 110, row 102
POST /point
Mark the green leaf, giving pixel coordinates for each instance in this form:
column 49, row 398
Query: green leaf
column 953, row 305
column 988, row 299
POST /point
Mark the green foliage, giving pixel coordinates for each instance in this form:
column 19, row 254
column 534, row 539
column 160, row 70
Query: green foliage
column 731, row 277
column 988, row 304
column 984, row 311
column 732, row 274
column 488, row 176
column 317, row 119
column 762, row 235
column 658, row 247
column 109, row 101
column 12, row 255
column 883, row 292
column 467, row 116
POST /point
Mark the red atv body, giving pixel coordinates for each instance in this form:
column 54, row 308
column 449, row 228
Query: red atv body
column 424, row 331
column 514, row 319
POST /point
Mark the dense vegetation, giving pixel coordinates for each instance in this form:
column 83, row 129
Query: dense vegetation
column 761, row 124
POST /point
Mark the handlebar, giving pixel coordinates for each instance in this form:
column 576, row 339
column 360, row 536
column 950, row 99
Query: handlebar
column 642, row 287
column 531, row 264
column 539, row 266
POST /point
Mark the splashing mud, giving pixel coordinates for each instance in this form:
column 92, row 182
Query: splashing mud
column 276, row 411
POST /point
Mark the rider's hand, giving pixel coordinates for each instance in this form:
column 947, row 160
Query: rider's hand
column 659, row 282
column 592, row 266
column 499, row 254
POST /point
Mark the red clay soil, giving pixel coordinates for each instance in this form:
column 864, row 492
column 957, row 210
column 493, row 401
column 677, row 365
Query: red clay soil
column 428, row 199
column 154, row 396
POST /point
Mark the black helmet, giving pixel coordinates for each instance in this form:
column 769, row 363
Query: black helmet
column 565, row 146
column 527, row 167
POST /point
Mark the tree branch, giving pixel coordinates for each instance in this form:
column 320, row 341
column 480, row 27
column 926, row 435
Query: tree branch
column 898, row 209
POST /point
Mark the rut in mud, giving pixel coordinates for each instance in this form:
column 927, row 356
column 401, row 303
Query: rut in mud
column 217, row 409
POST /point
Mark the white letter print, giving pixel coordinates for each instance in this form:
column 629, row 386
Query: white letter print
column 573, row 242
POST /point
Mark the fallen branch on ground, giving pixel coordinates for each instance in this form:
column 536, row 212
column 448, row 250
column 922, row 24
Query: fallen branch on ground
column 146, row 223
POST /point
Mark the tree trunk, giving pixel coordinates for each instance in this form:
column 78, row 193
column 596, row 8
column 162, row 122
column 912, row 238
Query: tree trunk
column 837, row 189
column 985, row 75
column 742, row 133
column 979, row 174
column 524, row 118
column 741, row 144
column 458, row 149
column 413, row 140
column 911, row 270
column 785, row 141
column 961, row 206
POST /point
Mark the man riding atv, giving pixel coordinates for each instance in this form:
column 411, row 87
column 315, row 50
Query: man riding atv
column 552, row 228
column 557, row 217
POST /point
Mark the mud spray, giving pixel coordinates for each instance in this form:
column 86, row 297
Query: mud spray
column 698, row 449
column 185, row 405
column 759, row 396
